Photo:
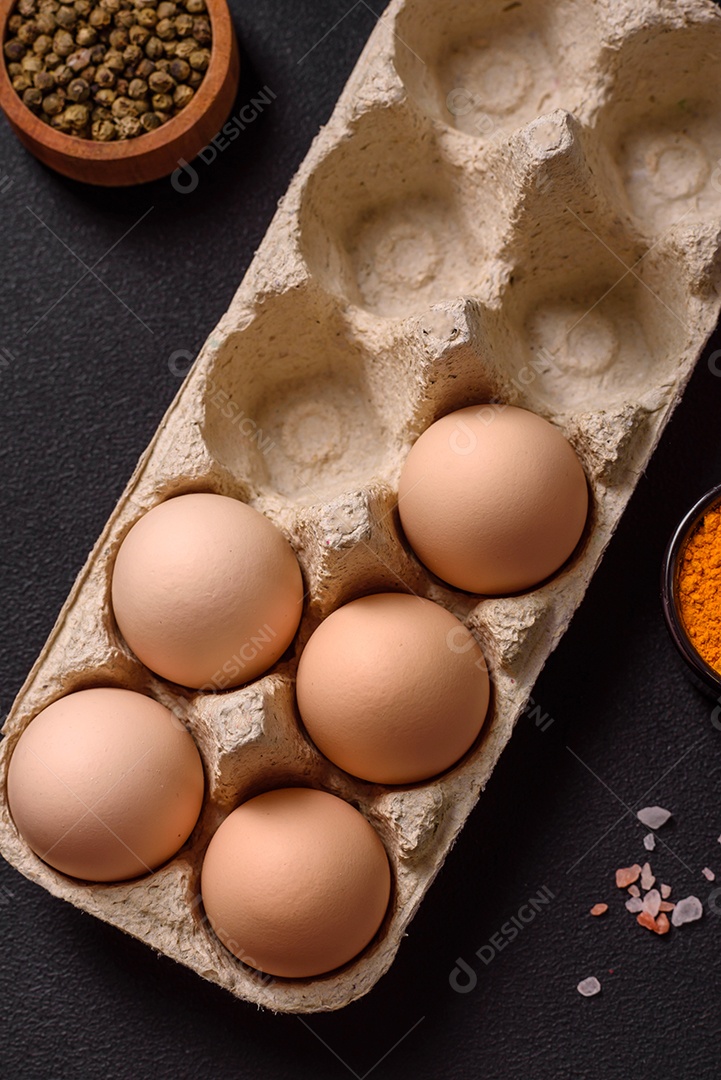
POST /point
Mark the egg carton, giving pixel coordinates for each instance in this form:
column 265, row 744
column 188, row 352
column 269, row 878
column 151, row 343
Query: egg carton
column 512, row 202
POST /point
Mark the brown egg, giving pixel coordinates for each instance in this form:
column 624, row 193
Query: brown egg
column 295, row 882
column 105, row 784
column 392, row 688
column 206, row 591
column 493, row 499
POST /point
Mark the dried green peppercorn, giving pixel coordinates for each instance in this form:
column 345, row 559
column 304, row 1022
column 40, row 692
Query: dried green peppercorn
column 46, row 22
column 28, row 33
column 162, row 102
column 77, row 116
column 147, row 18
column 14, row 49
column 154, row 48
column 150, row 121
column 44, row 80
column 184, row 25
column 104, row 76
column 165, row 29
column 21, row 83
column 122, row 106
column 161, row 82
column 103, row 130
column 183, row 49
column 78, row 60
column 199, row 60
column 183, row 96
column 52, row 104
column 114, row 61
column 99, row 18
column 33, row 98
column 32, row 63
column 128, row 127
column 78, row 90
column 202, row 32
column 67, row 17
column 63, row 44
column 132, row 54
column 105, row 96
column 180, row 70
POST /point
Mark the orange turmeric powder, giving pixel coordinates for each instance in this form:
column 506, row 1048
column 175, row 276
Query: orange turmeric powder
column 699, row 588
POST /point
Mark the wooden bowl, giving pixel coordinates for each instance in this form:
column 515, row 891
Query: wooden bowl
column 148, row 156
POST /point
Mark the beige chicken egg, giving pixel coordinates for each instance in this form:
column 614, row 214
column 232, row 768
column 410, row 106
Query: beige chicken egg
column 493, row 499
column 206, row 591
column 105, row 784
column 392, row 688
column 295, row 882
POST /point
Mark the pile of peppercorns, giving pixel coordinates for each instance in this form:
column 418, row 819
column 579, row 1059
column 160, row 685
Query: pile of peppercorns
column 107, row 69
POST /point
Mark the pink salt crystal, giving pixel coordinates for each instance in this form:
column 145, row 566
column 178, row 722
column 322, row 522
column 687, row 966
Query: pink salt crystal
column 599, row 909
column 649, row 841
column 644, row 919
column 627, row 875
column 653, row 817
column 634, row 890
column 634, row 905
column 647, row 878
column 687, row 910
column 666, row 906
column 652, row 902
column 662, row 924
column 589, row 987
column 665, row 891
column 708, row 874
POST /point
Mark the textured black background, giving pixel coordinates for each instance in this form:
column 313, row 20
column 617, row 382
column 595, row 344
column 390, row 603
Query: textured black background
column 83, row 385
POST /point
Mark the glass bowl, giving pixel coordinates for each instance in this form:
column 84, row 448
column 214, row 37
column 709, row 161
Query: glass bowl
column 703, row 675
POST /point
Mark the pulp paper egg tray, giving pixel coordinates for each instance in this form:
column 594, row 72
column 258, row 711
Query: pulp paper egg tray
column 512, row 202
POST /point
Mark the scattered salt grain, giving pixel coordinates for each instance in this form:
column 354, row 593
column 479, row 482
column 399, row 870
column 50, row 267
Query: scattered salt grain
column 627, row 875
column 644, row 919
column 634, row 905
column 589, row 987
column 686, row 911
column 653, row 817
column 634, row 890
column 665, row 891
column 708, row 874
column 665, row 905
column 652, row 902
column 599, row 909
column 647, row 878
column 649, row 841
column 662, row 924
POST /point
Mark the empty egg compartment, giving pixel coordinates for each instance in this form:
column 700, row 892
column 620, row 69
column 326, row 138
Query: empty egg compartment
column 588, row 320
column 388, row 224
column 299, row 407
column 660, row 138
column 487, row 67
